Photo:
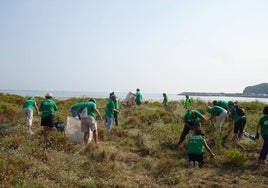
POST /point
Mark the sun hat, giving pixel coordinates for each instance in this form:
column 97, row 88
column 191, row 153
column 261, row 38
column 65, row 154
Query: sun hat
column 49, row 95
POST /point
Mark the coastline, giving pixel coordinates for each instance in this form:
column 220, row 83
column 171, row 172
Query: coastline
column 252, row 95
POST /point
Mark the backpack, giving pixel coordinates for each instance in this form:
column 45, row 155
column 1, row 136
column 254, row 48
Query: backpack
column 240, row 111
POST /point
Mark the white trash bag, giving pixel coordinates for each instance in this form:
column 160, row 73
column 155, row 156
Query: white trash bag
column 73, row 131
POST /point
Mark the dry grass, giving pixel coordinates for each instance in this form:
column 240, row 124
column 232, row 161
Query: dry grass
column 140, row 152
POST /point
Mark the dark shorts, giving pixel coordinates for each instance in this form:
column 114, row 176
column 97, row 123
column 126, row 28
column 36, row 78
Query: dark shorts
column 239, row 126
column 48, row 121
column 196, row 157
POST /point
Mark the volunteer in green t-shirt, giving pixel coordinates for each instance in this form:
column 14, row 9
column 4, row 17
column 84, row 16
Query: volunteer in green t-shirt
column 48, row 108
column 220, row 114
column 138, row 98
column 165, row 101
column 75, row 107
column 192, row 119
column 28, row 107
column 109, row 112
column 196, row 148
column 263, row 125
column 88, row 120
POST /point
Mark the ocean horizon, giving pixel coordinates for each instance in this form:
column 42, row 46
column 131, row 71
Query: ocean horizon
column 122, row 95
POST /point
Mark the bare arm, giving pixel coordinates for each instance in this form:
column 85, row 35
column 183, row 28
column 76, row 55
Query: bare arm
column 208, row 148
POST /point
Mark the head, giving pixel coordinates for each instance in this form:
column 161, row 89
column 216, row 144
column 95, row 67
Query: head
column 230, row 104
column 187, row 96
column 137, row 89
column 92, row 100
column 164, row 94
column 215, row 102
column 31, row 98
column 49, row 96
column 265, row 110
column 111, row 94
column 113, row 97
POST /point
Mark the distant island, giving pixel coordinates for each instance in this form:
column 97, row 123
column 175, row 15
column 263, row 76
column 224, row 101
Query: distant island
column 256, row 91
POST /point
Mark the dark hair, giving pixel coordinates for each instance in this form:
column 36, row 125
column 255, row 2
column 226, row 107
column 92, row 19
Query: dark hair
column 199, row 131
column 265, row 110
column 215, row 102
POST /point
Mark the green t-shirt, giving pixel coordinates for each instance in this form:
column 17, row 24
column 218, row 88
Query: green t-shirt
column 196, row 144
column 48, row 107
column 187, row 102
column 215, row 110
column 263, row 122
column 165, row 101
column 138, row 99
column 236, row 117
column 77, row 105
column 91, row 106
column 29, row 103
column 109, row 110
column 192, row 116
column 116, row 104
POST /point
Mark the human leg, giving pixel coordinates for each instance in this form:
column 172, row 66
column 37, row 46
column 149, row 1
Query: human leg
column 264, row 150
column 184, row 133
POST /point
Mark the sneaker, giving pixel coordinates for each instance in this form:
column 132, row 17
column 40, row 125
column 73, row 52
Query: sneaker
column 191, row 164
column 196, row 164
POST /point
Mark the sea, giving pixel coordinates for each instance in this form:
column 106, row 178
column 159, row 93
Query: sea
column 122, row 95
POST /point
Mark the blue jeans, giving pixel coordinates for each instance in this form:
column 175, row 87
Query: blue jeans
column 264, row 150
column 74, row 112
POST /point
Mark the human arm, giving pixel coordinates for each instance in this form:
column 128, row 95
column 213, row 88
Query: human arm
column 97, row 112
column 37, row 109
column 208, row 148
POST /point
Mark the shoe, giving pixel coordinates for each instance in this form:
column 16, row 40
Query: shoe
column 196, row 164
column 191, row 164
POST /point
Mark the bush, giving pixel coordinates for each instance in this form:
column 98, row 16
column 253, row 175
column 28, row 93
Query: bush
column 234, row 158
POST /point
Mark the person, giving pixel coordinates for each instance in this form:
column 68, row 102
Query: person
column 109, row 112
column 138, row 98
column 196, row 148
column 165, row 101
column 116, row 106
column 88, row 113
column 28, row 107
column 239, row 118
column 221, row 103
column 75, row 107
column 220, row 114
column 48, row 107
column 187, row 102
column 263, row 126
column 192, row 119
column 116, row 112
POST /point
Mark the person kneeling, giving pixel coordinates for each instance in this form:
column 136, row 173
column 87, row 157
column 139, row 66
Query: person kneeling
column 196, row 148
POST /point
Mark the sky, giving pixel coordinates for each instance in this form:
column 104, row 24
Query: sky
column 170, row 46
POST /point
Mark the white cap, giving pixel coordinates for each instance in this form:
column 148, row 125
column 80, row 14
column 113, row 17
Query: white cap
column 49, row 95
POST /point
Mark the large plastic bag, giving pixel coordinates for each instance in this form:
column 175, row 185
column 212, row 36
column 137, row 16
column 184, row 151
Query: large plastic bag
column 73, row 131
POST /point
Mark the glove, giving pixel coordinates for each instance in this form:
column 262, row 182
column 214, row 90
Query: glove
column 257, row 136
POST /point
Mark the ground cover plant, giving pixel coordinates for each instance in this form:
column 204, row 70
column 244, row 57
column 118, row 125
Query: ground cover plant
column 140, row 152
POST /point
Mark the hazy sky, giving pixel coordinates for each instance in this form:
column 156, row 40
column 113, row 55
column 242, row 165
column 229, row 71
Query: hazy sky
column 120, row 45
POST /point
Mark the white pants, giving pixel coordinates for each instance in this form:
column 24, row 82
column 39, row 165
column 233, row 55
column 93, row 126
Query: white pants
column 28, row 113
column 220, row 120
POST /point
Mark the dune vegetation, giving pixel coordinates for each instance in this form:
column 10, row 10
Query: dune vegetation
column 140, row 152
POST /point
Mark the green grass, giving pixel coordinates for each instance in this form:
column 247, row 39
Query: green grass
column 140, row 152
